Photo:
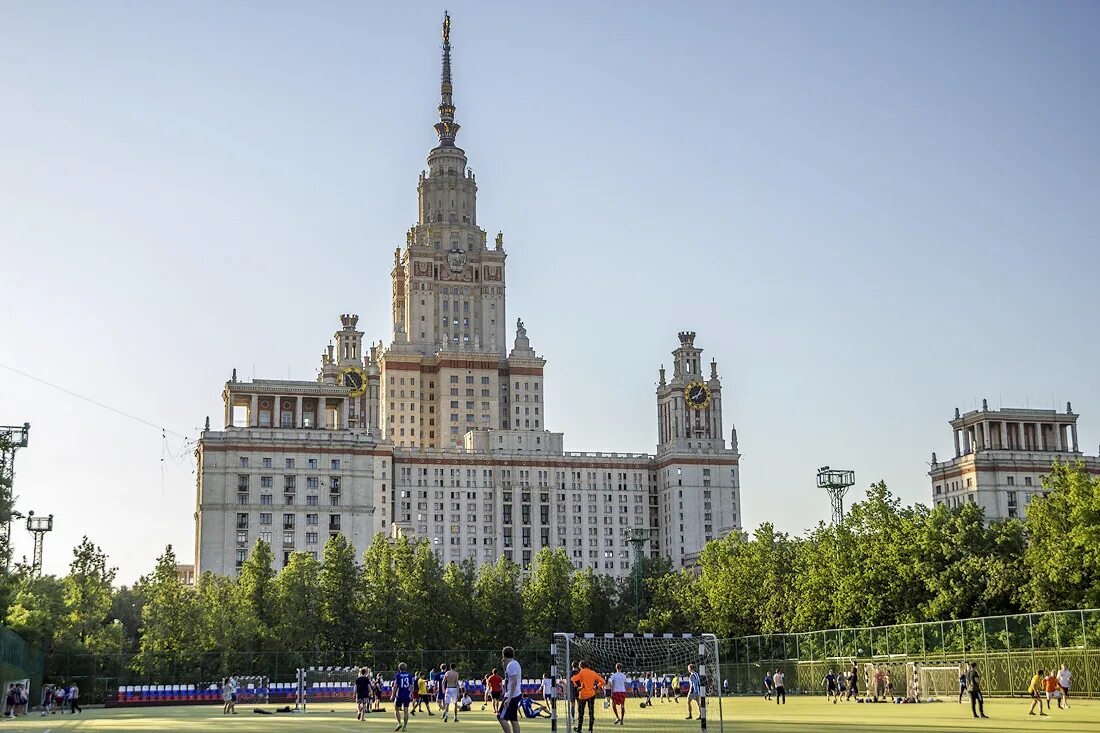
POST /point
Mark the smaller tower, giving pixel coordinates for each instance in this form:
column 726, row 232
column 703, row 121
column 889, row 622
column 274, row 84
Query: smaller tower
column 38, row 526
column 836, row 484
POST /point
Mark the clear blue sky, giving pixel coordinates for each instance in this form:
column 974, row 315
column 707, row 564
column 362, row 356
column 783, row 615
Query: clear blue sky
column 870, row 212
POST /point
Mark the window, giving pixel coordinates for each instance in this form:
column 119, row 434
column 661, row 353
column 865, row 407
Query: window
column 290, row 463
column 335, row 464
column 311, row 519
column 266, row 482
column 244, row 462
column 1027, row 480
column 311, row 538
column 288, row 539
column 266, row 462
column 242, row 520
column 288, row 521
column 1011, row 481
column 312, row 462
column 265, row 518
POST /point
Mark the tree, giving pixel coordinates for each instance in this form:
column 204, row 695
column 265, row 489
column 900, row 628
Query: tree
column 382, row 602
column 169, row 635
column 340, row 599
column 597, row 603
column 299, row 604
column 676, row 604
column 463, row 627
column 37, row 612
column 256, row 588
column 500, row 607
column 546, row 594
column 428, row 624
column 1063, row 529
column 88, row 590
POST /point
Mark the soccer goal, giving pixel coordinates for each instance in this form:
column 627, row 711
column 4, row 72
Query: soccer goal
column 940, row 682
column 662, row 658
column 24, row 686
column 326, row 685
column 253, row 689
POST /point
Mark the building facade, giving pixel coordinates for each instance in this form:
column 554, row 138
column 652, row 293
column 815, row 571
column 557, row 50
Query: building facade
column 1001, row 457
column 442, row 433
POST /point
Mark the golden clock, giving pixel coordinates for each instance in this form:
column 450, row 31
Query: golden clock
column 697, row 395
column 354, row 378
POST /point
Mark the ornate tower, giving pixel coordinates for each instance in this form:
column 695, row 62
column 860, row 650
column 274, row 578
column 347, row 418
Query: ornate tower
column 697, row 475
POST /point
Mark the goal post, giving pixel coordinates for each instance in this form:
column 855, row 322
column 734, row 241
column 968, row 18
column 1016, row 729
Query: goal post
column 651, row 662
column 940, row 681
column 326, row 685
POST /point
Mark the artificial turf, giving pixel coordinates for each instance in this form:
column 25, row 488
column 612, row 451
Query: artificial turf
column 740, row 714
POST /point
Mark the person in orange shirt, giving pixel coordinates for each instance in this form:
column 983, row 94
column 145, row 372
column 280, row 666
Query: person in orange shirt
column 1052, row 688
column 588, row 683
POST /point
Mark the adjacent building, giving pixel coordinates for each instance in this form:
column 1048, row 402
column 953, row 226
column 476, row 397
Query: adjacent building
column 1001, row 457
column 442, row 432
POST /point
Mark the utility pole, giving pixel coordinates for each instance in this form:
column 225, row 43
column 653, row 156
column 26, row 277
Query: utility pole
column 12, row 438
column 836, row 484
column 38, row 526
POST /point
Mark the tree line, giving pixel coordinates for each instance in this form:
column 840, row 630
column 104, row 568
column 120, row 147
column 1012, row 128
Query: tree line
column 885, row 563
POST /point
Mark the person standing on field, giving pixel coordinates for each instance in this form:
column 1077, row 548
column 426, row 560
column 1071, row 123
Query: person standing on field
column 1063, row 682
column 695, row 689
column 402, row 696
column 974, row 685
column 450, row 685
column 780, row 688
column 1035, row 690
column 589, row 682
column 508, row 714
column 618, row 694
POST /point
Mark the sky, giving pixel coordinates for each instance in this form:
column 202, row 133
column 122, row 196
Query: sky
column 870, row 213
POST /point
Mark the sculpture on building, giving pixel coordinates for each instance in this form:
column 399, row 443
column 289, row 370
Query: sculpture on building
column 521, row 332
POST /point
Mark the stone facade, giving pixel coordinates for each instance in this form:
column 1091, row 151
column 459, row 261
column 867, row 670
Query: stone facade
column 1001, row 457
column 441, row 434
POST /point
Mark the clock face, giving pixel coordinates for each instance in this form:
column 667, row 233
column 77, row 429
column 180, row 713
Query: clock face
column 697, row 395
column 353, row 378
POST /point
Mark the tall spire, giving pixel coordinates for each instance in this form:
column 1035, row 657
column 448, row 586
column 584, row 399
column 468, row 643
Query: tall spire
column 446, row 128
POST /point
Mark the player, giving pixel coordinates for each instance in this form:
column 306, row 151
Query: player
column 1052, row 689
column 618, row 694
column 675, row 688
column 1035, row 690
column 532, row 709
column 575, row 689
column 589, row 683
column 695, row 689
column 494, row 685
column 649, row 689
column 423, row 697
column 465, row 702
column 450, row 687
column 974, row 684
column 830, row 687
column 769, row 685
column 1063, row 682
column 362, row 693
column 853, row 683
column 780, row 689
column 402, row 696
column 508, row 713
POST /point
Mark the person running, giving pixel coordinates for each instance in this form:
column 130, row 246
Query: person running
column 695, row 690
column 617, row 684
column 769, row 685
column 974, row 685
column 402, row 696
column 649, row 688
column 589, row 683
column 853, row 683
column 362, row 693
column 830, row 687
column 1035, row 691
column 1053, row 693
column 675, row 687
column 1063, row 682
column 494, row 686
column 780, row 688
column 450, row 687
column 508, row 713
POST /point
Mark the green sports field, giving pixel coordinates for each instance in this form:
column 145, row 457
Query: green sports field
column 748, row 715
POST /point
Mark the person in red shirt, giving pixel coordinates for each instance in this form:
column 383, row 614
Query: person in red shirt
column 494, row 688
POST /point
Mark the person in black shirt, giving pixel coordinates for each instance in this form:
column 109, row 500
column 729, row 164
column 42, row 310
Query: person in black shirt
column 974, row 684
column 362, row 692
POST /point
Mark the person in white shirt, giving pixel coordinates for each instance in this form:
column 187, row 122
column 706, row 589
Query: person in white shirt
column 617, row 683
column 780, row 689
column 1063, row 682
column 508, row 714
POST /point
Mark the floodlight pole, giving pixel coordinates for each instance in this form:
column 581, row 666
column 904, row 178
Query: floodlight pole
column 836, row 484
column 12, row 438
column 38, row 526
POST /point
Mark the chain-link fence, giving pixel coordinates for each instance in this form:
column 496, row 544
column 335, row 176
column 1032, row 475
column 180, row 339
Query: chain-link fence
column 18, row 661
column 1008, row 650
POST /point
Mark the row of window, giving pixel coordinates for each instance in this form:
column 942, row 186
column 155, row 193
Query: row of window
column 266, row 518
column 311, row 463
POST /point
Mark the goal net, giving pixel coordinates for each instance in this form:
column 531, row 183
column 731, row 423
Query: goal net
column 940, row 682
column 328, row 685
column 253, row 690
column 659, row 685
